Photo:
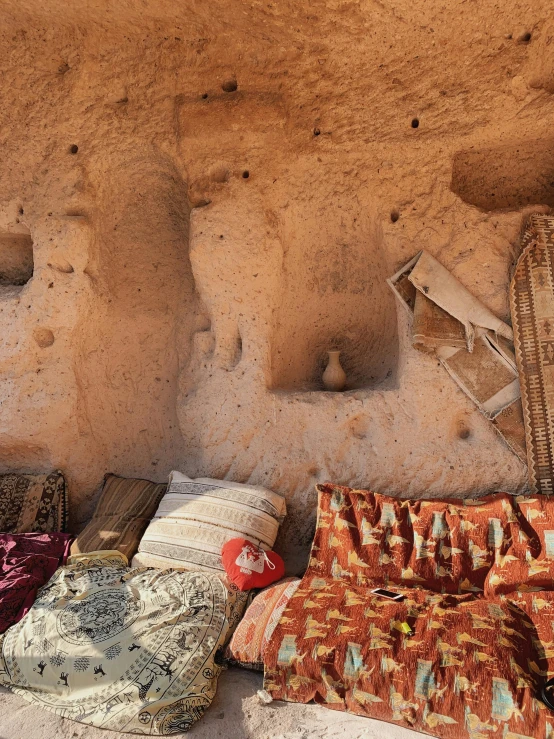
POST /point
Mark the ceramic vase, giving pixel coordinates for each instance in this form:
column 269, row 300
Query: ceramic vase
column 334, row 377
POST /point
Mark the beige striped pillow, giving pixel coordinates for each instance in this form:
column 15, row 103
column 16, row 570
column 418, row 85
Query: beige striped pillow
column 196, row 518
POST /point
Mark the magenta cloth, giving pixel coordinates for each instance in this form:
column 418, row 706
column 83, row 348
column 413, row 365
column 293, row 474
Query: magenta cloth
column 27, row 562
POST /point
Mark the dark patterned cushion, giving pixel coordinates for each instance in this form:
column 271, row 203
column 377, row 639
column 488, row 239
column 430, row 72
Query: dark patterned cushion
column 123, row 512
column 33, row 503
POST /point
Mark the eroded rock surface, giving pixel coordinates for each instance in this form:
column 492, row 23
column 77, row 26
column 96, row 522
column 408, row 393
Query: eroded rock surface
column 215, row 193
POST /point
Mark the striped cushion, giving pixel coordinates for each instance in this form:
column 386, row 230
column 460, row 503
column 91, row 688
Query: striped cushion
column 197, row 517
column 123, row 512
column 248, row 643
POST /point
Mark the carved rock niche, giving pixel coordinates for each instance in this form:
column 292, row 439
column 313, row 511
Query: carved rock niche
column 334, row 296
column 16, row 259
column 506, row 177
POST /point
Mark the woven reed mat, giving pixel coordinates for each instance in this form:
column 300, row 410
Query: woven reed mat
column 532, row 306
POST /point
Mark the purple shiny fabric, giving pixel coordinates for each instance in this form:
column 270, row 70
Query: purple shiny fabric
column 27, row 562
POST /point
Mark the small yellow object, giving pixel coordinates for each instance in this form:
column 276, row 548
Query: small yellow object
column 402, row 626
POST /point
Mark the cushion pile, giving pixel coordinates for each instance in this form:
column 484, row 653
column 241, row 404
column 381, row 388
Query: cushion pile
column 196, row 518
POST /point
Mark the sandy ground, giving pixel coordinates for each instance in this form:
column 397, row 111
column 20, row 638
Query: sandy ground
column 235, row 713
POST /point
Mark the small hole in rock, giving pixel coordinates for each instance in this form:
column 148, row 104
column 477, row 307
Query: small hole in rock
column 219, row 175
column 21, row 211
column 394, row 216
column 73, row 149
column 415, row 122
column 464, row 433
column 229, row 86
column 44, row 337
column 525, row 38
column 246, row 174
column 205, row 96
column 316, row 131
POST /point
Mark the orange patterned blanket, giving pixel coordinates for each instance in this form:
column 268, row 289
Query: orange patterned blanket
column 477, row 576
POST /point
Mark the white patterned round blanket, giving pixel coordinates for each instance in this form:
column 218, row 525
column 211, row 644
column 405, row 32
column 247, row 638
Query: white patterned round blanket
column 123, row 649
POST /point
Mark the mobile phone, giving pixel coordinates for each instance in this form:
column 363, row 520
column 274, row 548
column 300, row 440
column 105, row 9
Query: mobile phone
column 389, row 594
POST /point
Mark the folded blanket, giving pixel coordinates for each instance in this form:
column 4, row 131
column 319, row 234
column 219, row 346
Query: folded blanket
column 124, row 649
column 27, row 562
column 532, row 307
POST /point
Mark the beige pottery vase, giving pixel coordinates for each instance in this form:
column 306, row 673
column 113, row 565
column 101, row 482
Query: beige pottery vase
column 334, row 377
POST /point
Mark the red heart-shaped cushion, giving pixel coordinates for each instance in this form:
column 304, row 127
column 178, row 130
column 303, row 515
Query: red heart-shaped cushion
column 249, row 566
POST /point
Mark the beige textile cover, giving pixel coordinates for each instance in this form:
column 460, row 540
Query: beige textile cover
column 99, row 558
column 124, row 649
column 532, row 306
column 196, row 518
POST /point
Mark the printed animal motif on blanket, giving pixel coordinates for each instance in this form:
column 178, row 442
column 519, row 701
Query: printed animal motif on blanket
column 130, row 650
column 464, row 654
column 101, row 558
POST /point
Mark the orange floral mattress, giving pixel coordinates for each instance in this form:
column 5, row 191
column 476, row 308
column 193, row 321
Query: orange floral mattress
column 478, row 581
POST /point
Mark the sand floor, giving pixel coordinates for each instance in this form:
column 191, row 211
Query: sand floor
column 235, row 713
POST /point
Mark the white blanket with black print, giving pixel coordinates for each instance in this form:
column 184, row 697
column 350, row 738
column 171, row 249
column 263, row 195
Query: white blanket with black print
column 130, row 650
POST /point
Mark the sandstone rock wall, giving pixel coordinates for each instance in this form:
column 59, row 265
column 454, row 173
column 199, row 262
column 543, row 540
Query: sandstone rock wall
column 215, row 193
